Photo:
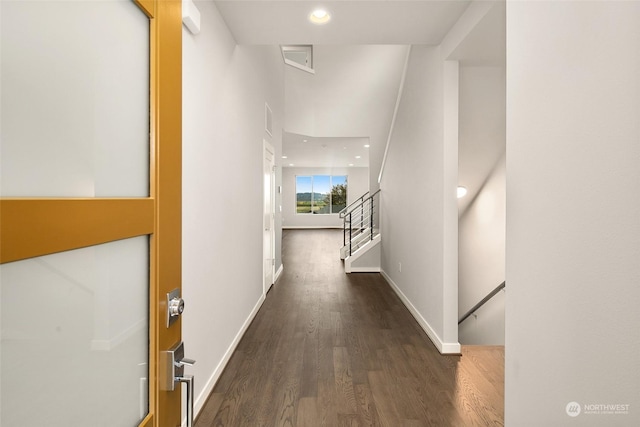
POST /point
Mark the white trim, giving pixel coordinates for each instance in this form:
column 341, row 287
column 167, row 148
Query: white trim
column 268, row 122
column 208, row 388
column 450, row 202
column 365, row 270
column 330, row 215
column 190, row 16
column 269, row 151
column 299, row 67
column 311, row 227
column 278, row 273
column 443, row 347
column 268, row 288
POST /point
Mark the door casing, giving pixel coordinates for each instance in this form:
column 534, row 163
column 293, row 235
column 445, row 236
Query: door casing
column 268, row 216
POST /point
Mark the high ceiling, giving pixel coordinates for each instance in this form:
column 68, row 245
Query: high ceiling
column 388, row 22
column 307, row 151
column 352, row 22
column 351, row 97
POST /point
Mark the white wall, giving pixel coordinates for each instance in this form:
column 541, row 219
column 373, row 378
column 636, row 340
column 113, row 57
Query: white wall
column 482, row 225
column 225, row 88
column 413, row 200
column 419, row 212
column 573, row 212
column 352, row 94
column 481, row 260
column 482, row 126
column 357, row 182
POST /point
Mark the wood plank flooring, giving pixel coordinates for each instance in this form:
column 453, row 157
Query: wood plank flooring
column 331, row 349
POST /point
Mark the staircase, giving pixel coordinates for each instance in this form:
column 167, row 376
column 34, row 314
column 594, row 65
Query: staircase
column 361, row 235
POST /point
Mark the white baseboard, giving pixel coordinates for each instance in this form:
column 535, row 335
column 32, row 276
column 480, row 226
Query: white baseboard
column 443, row 347
column 278, row 273
column 364, row 270
column 208, row 388
column 311, row 227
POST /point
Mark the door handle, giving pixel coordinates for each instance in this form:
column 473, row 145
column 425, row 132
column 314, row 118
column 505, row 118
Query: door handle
column 188, row 380
column 172, row 363
column 185, row 361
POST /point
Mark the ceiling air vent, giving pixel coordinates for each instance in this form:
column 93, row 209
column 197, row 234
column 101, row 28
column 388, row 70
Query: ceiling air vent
column 299, row 56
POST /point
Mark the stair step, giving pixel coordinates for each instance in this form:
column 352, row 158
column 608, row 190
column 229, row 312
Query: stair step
column 356, row 244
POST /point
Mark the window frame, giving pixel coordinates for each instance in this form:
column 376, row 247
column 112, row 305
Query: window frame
column 331, row 185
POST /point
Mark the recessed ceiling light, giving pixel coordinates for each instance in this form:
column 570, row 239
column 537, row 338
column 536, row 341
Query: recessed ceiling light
column 304, row 140
column 461, row 192
column 284, row 157
column 319, row 16
column 350, row 164
column 357, row 157
column 366, row 146
column 290, row 164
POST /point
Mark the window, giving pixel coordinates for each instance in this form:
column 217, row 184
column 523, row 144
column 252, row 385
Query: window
column 321, row 194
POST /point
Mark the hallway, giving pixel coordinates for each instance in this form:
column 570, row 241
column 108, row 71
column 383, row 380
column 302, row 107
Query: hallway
column 332, row 349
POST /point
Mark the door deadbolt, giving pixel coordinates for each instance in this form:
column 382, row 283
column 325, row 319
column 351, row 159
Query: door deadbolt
column 175, row 306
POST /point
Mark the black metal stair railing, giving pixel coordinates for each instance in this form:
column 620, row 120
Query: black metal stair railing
column 359, row 221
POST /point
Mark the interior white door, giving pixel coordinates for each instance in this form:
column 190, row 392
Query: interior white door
column 268, row 217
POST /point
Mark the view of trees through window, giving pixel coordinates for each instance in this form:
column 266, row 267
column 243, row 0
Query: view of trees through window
column 321, row 194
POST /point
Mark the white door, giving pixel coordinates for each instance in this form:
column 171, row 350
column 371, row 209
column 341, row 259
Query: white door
column 268, row 217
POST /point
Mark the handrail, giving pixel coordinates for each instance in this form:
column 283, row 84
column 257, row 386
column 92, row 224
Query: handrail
column 490, row 295
column 345, row 210
column 367, row 204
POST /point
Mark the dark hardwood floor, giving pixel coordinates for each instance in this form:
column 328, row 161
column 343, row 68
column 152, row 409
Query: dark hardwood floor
column 331, row 349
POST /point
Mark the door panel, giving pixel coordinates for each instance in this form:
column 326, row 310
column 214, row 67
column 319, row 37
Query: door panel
column 102, row 154
column 75, row 99
column 75, row 329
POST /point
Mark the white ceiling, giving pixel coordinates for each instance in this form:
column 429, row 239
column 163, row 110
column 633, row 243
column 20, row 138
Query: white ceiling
column 388, row 22
column 308, row 151
column 482, row 119
column 352, row 94
column 352, row 22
